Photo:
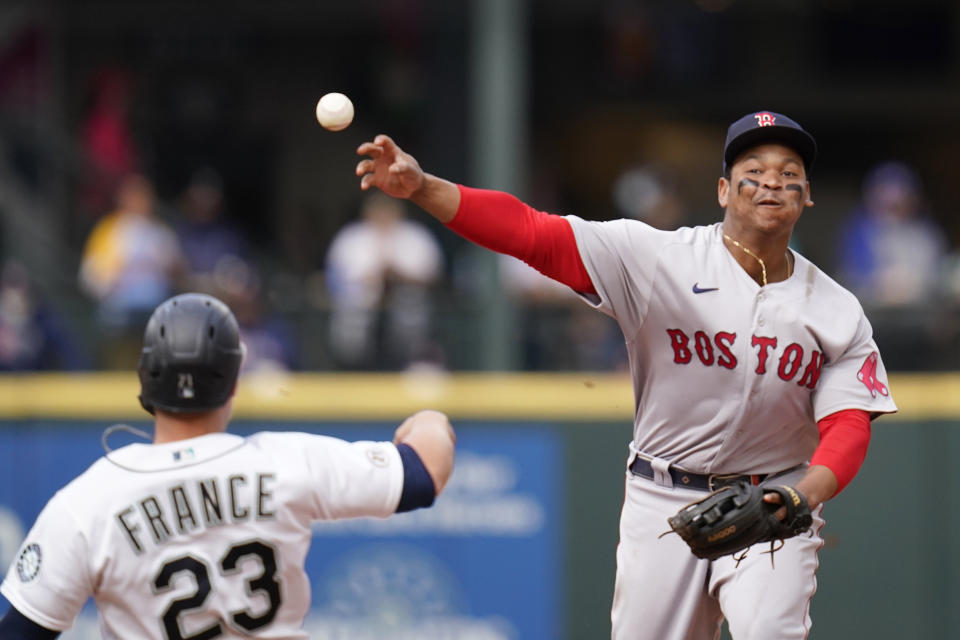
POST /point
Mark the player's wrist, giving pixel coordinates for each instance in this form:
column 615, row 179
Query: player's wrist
column 818, row 485
column 418, row 188
column 438, row 197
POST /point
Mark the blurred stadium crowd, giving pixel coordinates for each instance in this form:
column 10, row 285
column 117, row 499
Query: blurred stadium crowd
column 156, row 147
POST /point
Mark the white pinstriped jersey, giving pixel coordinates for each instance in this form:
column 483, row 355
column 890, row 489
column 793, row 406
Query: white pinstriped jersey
column 728, row 376
column 207, row 538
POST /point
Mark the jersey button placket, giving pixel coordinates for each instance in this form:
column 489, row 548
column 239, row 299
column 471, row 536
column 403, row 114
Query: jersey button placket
column 755, row 381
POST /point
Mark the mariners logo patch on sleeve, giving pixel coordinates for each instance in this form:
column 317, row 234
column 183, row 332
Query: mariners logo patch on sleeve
column 28, row 564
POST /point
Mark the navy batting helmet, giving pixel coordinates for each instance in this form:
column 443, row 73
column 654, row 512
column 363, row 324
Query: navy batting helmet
column 191, row 355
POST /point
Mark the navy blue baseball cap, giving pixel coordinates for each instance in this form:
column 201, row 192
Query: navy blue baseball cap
column 766, row 126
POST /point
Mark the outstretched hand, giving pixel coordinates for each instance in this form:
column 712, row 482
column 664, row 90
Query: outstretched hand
column 388, row 168
column 403, row 431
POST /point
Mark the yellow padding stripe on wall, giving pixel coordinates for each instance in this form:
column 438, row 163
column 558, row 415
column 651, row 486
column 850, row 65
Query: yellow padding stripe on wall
column 323, row 396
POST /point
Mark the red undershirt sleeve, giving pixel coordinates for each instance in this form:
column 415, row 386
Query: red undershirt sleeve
column 844, row 437
column 503, row 223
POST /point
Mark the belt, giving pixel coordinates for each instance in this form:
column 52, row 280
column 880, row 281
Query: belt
column 703, row 481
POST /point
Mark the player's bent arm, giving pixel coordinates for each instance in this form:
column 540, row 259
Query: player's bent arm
column 818, row 485
column 431, row 437
column 505, row 224
column 16, row 626
column 398, row 174
column 844, row 437
column 492, row 219
column 438, row 197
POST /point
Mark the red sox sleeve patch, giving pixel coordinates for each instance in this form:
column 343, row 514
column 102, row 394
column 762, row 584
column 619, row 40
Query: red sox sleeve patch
column 868, row 376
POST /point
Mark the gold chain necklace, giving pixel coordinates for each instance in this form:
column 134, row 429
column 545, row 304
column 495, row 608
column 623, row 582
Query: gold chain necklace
column 763, row 267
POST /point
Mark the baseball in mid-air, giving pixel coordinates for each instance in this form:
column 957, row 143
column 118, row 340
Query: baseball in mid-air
column 334, row 111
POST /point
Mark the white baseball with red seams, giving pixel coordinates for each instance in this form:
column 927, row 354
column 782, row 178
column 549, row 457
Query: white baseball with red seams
column 729, row 377
column 334, row 111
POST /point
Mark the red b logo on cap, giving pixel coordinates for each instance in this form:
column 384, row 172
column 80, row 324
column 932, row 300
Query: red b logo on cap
column 765, row 119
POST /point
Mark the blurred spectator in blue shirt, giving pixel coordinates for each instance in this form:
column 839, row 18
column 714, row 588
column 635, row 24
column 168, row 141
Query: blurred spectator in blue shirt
column 206, row 236
column 131, row 263
column 891, row 252
column 270, row 343
column 32, row 336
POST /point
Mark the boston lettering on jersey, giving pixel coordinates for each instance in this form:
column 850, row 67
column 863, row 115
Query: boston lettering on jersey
column 719, row 351
column 183, row 509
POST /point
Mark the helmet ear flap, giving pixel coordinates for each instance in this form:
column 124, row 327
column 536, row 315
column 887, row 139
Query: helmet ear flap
column 146, row 371
column 146, row 405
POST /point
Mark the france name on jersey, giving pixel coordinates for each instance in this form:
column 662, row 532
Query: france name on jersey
column 203, row 537
column 729, row 376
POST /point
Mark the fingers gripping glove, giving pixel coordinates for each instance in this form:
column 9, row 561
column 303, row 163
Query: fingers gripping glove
column 733, row 518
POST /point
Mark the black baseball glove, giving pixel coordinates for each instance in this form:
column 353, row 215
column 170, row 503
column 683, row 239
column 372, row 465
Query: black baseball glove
column 733, row 518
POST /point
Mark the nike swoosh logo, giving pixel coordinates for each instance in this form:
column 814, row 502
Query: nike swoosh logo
column 697, row 289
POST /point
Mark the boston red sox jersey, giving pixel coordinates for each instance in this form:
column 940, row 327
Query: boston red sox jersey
column 201, row 538
column 729, row 376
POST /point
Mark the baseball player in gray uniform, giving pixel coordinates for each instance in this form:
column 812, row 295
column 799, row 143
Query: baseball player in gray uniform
column 748, row 363
column 203, row 534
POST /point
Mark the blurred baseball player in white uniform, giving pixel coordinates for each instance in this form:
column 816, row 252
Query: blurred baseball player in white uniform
column 747, row 361
column 203, row 534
